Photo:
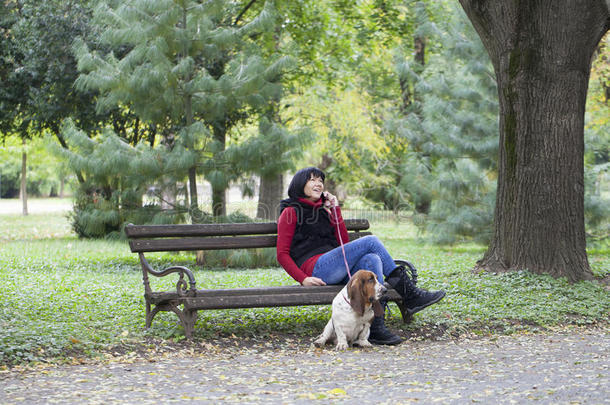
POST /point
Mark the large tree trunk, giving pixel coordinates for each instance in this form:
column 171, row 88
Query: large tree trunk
column 24, row 189
column 541, row 51
column 270, row 194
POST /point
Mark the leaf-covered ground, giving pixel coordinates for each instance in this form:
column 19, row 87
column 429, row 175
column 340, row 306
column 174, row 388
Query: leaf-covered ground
column 567, row 367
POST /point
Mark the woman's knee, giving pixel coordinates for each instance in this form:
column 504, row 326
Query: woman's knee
column 373, row 241
column 371, row 261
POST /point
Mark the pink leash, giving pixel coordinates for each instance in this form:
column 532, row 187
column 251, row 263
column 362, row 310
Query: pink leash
column 341, row 242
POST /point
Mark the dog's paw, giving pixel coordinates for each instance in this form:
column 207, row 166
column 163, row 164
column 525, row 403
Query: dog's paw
column 319, row 342
column 363, row 344
column 341, row 346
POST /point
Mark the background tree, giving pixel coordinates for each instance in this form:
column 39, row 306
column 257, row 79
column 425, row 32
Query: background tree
column 116, row 177
column 454, row 137
column 542, row 59
column 16, row 82
column 47, row 175
column 184, row 67
column 143, row 63
column 246, row 81
column 410, row 29
column 39, row 69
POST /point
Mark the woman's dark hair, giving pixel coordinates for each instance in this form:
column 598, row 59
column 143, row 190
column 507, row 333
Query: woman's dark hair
column 297, row 184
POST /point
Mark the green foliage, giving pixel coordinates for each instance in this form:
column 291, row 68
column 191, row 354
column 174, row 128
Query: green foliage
column 189, row 68
column 463, row 204
column 116, row 177
column 252, row 155
column 597, row 147
column 346, row 143
column 443, row 149
column 38, row 69
column 44, row 171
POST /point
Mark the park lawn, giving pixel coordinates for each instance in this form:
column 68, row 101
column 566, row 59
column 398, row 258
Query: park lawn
column 64, row 298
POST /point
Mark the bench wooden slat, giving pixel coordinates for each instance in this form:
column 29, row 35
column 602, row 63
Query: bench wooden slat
column 211, row 243
column 187, row 230
column 229, row 292
column 259, row 297
column 259, row 301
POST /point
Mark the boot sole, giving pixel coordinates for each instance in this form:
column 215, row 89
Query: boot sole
column 412, row 311
column 385, row 342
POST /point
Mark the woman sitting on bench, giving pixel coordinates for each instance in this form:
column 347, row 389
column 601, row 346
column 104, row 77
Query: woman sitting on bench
column 308, row 248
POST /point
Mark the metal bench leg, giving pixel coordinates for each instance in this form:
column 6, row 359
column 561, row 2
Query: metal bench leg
column 187, row 317
column 407, row 317
column 149, row 314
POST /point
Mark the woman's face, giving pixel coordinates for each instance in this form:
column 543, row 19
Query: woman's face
column 314, row 188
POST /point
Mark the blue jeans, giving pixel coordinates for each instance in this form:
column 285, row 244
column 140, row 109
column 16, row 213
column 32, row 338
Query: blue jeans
column 366, row 253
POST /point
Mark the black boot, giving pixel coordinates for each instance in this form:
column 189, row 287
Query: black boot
column 414, row 299
column 380, row 335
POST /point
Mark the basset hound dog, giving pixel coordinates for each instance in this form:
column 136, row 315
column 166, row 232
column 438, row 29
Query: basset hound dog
column 352, row 312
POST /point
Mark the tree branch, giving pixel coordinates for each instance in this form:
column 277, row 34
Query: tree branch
column 244, row 11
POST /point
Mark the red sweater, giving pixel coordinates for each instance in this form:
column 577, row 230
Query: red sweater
column 286, row 226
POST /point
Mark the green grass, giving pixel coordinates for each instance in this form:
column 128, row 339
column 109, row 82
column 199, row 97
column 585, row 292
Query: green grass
column 62, row 297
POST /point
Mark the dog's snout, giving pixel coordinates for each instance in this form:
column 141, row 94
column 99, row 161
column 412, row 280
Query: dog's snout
column 382, row 289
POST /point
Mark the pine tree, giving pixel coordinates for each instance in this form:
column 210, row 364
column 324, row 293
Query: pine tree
column 268, row 154
column 183, row 66
column 116, row 177
column 460, row 119
column 444, row 135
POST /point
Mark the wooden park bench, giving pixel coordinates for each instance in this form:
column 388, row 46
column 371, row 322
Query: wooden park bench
column 199, row 237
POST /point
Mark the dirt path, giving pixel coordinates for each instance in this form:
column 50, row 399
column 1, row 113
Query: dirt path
column 557, row 368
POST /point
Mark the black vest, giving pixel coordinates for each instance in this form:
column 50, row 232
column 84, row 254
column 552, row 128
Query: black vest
column 313, row 234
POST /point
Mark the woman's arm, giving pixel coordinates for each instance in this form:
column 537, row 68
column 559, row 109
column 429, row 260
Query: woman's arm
column 286, row 226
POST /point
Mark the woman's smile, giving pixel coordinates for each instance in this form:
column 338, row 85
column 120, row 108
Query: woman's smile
column 314, row 188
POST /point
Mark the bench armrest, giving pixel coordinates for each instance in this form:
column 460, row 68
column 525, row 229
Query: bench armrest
column 409, row 268
column 181, row 287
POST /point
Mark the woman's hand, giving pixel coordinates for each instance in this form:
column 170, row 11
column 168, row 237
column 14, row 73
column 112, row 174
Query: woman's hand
column 309, row 281
column 330, row 200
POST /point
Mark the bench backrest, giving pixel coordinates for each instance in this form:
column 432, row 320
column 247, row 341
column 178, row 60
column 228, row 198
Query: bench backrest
column 166, row 238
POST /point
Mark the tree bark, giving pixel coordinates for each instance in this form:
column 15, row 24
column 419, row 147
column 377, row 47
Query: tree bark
column 219, row 195
column 188, row 112
column 541, row 52
column 270, row 195
column 24, row 189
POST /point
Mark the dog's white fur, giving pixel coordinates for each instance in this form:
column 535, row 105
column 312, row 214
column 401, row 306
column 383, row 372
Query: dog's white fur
column 352, row 312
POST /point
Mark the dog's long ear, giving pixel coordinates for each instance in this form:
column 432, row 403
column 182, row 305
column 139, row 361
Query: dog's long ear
column 355, row 293
column 378, row 308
